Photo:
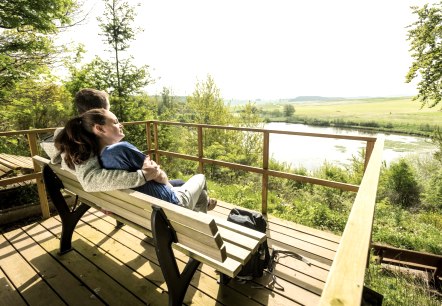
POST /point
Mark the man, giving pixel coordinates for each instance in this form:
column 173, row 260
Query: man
column 90, row 174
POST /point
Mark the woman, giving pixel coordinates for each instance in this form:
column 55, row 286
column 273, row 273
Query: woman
column 97, row 132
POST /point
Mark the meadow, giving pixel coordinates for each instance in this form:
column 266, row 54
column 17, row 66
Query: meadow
column 386, row 114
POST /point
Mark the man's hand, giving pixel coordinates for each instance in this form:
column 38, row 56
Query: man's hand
column 152, row 171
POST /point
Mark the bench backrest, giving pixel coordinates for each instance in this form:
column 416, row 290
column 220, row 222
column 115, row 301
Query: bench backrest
column 224, row 245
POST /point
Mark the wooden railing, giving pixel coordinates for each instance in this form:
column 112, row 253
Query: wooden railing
column 345, row 280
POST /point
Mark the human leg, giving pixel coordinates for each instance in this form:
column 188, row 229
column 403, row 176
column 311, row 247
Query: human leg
column 193, row 194
column 176, row 182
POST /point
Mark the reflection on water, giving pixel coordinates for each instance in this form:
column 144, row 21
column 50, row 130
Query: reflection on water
column 312, row 152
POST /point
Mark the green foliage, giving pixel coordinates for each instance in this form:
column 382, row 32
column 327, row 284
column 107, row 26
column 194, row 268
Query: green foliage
column 402, row 187
column 436, row 137
column 289, row 110
column 433, row 194
column 405, row 229
column 41, row 15
column 35, row 104
column 26, row 44
column 119, row 76
column 205, row 105
column 424, row 36
column 246, row 195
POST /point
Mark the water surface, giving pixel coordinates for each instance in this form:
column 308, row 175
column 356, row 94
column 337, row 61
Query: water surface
column 312, row 152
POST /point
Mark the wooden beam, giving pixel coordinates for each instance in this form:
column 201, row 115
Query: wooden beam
column 345, row 280
column 44, row 205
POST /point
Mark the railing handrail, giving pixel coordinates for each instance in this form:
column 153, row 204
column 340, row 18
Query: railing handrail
column 245, row 129
column 271, row 131
column 345, row 280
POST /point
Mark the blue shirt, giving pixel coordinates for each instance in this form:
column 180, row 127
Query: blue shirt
column 125, row 156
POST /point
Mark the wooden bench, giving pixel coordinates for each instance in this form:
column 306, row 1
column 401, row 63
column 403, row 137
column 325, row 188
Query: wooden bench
column 223, row 245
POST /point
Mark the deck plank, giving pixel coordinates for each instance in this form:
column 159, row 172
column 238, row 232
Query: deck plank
column 204, row 288
column 49, row 268
column 32, row 287
column 110, row 266
column 8, row 294
column 97, row 280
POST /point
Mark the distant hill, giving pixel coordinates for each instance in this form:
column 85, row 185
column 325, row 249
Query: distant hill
column 314, row 98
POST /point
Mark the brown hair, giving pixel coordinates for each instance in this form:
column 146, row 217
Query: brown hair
column 89, row 98
column 77, row 140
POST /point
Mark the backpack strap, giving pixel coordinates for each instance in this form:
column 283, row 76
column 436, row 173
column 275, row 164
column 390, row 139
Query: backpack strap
column 274, row 259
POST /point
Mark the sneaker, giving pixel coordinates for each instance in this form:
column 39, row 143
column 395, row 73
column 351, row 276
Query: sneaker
column 212, row 204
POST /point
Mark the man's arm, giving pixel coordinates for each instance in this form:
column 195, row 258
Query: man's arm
column 94, row 178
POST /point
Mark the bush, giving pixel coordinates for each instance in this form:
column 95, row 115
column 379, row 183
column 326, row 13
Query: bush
column 402, row 187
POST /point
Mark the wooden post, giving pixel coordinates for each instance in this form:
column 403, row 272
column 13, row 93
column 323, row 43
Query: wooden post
column 148, row 139
column 155, row 138
column 368, row 150
column 44, row 205
column 200, row 149
column 265, row 176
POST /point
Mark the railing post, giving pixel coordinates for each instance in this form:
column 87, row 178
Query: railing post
column 155, row 138
column 368, row 150
column 265, row 176
column 44, row 205
column 200, row 149
column 148, row 139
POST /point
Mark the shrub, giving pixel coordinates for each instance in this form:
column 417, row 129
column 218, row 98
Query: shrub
column 402, row 187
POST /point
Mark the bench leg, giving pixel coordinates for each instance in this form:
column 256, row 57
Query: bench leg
column 69, row 219
column 164, row 235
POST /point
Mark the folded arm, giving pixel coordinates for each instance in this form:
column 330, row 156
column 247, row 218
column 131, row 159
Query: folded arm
column 93, row 177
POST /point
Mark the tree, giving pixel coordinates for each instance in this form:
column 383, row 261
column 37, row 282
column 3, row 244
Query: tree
column 35, row 104
column 289, row 110
column 125, row 78
column 401, row 186
column 425, row 36
column 44, row 16
column 206, row 105
column 26, row 42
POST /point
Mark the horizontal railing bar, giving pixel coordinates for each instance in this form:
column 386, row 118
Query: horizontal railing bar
column 297, row 177
column 18, row 179
column 257, row 130
column 349, row 137
column 33, row 131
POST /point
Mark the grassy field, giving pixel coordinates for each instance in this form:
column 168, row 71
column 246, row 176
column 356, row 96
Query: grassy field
column 394, row 114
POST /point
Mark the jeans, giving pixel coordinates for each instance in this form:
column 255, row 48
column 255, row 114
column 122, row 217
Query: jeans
column 193, row 194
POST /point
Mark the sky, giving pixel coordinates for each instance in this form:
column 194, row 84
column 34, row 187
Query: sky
column 276, row 49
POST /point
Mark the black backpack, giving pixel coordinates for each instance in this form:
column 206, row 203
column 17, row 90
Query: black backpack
column 260, row 260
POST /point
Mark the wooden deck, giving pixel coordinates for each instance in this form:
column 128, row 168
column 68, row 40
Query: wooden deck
column 10, row 164
column 119, row 267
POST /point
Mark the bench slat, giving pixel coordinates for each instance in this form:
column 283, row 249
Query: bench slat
column 235, row 238
column 201, row 221
column 127, row 214
column 230, row 267
column 237, row 253
column 216, row 253
column 244, row 231
column 108, row 200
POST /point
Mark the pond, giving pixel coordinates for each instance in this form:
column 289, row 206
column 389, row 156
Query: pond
column 312, row 152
